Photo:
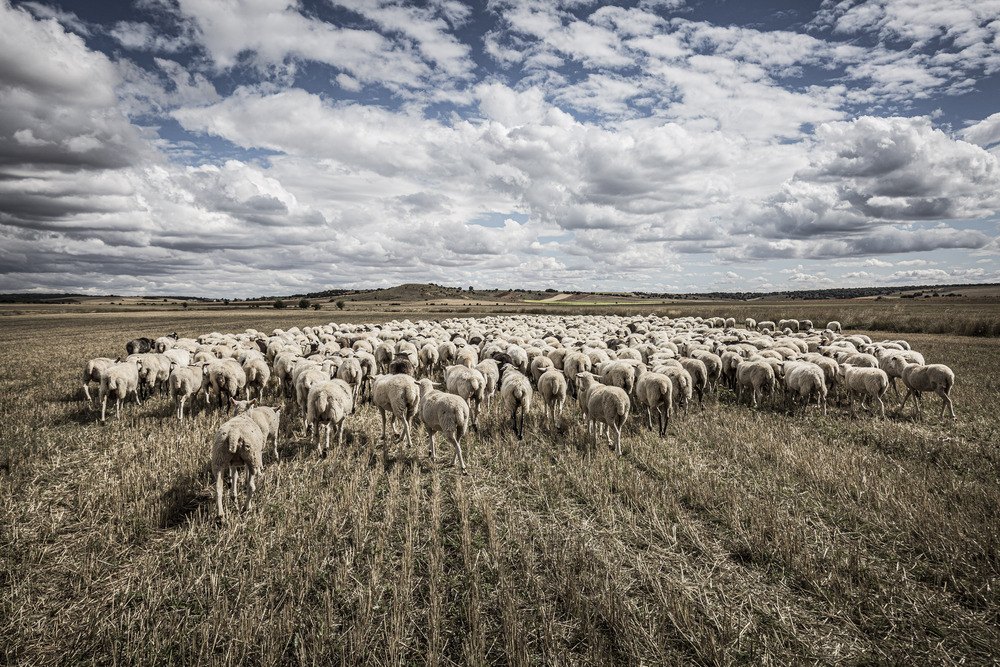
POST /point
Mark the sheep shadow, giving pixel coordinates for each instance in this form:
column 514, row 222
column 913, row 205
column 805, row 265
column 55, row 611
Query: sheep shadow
column 185, row 497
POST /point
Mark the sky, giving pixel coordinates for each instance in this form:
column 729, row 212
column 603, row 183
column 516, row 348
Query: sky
column 235, row 148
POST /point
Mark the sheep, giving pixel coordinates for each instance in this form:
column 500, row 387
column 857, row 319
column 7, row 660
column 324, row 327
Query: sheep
column 833, row 326
column 183, row 383
column 401, row 363
column 515, row 392
column 383, row 356
column 468, row 383
column 309, row 374
column 805, row 379
column 605, row 405
column 352, row 373
column 238, row 443
column 575, row 363
column 444, row 413
column 490, row 368
column 756, row 375
column 618, row 374
column 893, row 364
column 766, row 325
column 654, row 391
column 713, row 366
column 267, row 419
column 429, row 358
column 119, row 380
column 178, row 356
column 258, row 374
column 681, row 380
column 750, row 324
column 164, row 343
column 399, row 395
column 329, row 402
column 553, row 387
column 225, row 376
column 154, row 369
column 539, row 365
column 698, row 371
column 92, row 373
column 467, row 356
column 139, row 346
column 866, row 381
column 933, row 377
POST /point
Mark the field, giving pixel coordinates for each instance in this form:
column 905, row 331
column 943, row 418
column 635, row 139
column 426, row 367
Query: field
column 746, row 536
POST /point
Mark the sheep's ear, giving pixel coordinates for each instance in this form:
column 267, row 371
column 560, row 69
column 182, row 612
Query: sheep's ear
column 253, row 401
column 232, row 401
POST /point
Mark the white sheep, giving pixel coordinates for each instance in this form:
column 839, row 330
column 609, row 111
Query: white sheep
column 713, row 366
column 893, row 363
column 119, row 380
column 258, row 374
column 806, row 379
column 698, row 371
column 758, row 376
column 515, row 392
column 92, row 373
column 225, row 376
column 353, row 374
column 539, row 365
column 238, row 443
column 553, row 387
column 399, row 395
column 606, row 406
column 444, row 413
column 267, row 419
column 429, row 358
column 468, row 383
column 933, row 377
column 154, row 369
column 654, row 391
column 491, row 371
column 185, row 382
column 866, row 381
column 329, row 403
column 833, row 326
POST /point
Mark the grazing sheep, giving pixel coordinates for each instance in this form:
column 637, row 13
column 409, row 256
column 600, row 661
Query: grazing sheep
column 467, row 356
column 429, row 358
column 515, row 392
column 164, row 343
column 469, row 383
column 383, row 356
column 139, row 346
column 681, row 380
column 444, row 413
column 329, row 403
column 575, row 363
column 238, row 443
column 119, row 380
column 399, row 395
column 606, row 406
column 154, row 369
column 866, row 381
column 618, row 374
column 267, row 419
column 758, row 376
column 308, row 374
column 805, row 379
column 893, row 364
column 225, row 376
column 713, row 367
column 178, row 356
column 766, row 325
column 92, row 373
column 490, row 368
column 353, row 374
column 750, row 324
column 933, row 377
column 539, row 365
column 654, row 391
column 553, row 387
column 698, row 371
column 185, row 382
column 401, row 364
column 258, row 374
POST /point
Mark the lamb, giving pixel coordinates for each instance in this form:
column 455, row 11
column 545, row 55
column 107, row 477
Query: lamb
column 267, row 419
column 932, row 377
column 238, row 443
column 806, row 379
column 119, row 380
column 185, row 382
column 606, row 406
column 225, row 376
column 399, row 395
column 515, row 392
column 468, row 383
column 553, row 387
column 92, row 373
column 258, row 374
column 756, row 375
column 490, row 369
column 866, row 381
column 444, row 413
column 329, row 402
column 654, row 391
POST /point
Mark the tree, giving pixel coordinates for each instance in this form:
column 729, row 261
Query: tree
column 317, row 306
column 278, row 303
column 303, row 303
column 340, row 305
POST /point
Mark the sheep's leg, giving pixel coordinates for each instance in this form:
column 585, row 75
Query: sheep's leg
column 946, row 401
column 433, row 453
column 251, row 487
column 618, row 438
column 219, row 511
column 104, row 406
column 458, row 452
column 276, row 458
column 881, row 405
column 521, row 436
column 383, row 423
column 86, row 390
column 180, row 408
column 406, row 432
column 340, row 434
column 235, row 478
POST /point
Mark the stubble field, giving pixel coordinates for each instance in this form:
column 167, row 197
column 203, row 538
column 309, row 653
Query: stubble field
column 746, row 536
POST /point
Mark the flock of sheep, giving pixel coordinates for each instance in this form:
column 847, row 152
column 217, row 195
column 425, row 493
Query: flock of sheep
column 447, row 373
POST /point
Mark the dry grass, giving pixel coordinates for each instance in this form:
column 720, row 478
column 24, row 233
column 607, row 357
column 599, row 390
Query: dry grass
column 746, row 536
